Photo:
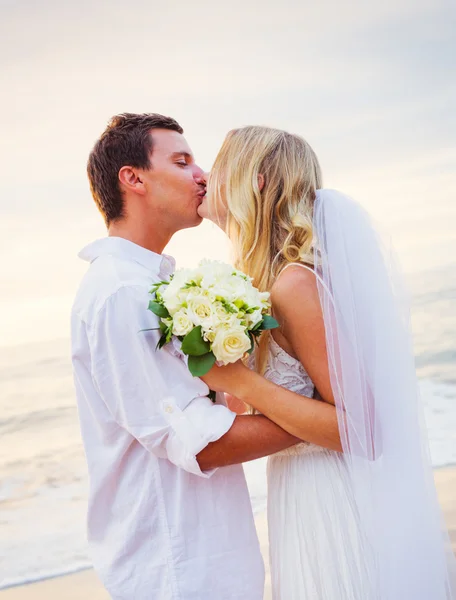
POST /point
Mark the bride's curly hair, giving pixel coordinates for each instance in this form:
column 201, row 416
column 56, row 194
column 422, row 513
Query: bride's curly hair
column 267, row 179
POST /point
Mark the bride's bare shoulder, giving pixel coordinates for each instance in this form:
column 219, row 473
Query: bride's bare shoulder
column 294, row 284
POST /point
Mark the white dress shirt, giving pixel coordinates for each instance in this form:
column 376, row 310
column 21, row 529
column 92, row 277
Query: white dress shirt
column 159, row 528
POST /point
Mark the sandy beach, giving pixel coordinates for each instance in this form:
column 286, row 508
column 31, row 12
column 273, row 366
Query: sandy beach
column 85, row 584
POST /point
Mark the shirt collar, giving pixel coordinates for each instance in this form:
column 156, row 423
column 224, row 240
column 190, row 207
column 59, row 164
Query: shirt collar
column 122, row 248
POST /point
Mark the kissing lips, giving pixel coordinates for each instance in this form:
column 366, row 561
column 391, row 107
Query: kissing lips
column 201, row 196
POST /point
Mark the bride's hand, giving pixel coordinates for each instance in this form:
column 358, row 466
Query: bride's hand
column 227, row 379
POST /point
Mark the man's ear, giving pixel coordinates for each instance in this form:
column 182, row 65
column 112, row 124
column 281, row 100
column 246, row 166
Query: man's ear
column 260, row 181
column 131, row 180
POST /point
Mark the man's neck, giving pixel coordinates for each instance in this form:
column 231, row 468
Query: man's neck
column 151, row 240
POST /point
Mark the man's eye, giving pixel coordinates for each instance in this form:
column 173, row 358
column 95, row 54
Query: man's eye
column 182, row 162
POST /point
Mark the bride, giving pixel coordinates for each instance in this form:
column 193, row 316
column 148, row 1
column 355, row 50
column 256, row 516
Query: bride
column 362, row 523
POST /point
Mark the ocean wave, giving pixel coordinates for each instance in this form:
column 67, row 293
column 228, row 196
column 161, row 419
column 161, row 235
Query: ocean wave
column 11, row 583
column 44, row 485
column 36, row 419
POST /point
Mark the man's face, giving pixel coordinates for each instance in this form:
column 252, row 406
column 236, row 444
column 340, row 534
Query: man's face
column 175, row 184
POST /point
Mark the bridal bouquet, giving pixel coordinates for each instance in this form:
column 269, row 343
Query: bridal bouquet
column 214, row 310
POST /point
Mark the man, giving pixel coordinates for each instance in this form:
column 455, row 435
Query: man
column 164, row 521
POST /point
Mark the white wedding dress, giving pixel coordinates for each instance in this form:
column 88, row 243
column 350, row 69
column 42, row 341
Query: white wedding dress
column 314, row 535
column 365, row 524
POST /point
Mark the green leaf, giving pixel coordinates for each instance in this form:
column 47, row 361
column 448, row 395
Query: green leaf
column 268, row 323
column 161, row 342
column 193, row 343
column 157, row 285
column 252, row 339
column 200, row 365
column 158, row 309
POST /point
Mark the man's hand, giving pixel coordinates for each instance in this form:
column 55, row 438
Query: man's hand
column 236, row 405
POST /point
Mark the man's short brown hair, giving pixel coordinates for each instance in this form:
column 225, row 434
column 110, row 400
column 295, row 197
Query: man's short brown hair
column 127, row 140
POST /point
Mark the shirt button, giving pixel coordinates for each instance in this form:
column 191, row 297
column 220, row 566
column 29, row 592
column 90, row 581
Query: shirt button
column 168, row 408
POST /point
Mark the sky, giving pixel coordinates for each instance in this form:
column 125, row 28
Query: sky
column 372, row 86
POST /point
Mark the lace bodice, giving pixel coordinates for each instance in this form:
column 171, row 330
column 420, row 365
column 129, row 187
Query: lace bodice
column 288, row 372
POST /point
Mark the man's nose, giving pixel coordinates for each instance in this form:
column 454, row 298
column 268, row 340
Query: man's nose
column 201, row 177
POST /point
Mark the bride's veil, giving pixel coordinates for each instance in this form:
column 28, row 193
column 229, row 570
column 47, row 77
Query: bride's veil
column 380, row 416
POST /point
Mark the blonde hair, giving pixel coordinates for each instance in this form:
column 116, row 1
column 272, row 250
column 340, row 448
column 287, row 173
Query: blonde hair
column 267, row 180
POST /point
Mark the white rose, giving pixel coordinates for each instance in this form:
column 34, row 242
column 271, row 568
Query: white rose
column 209, row 294
column 243, row 275
column 183, row 276
column 221, row 315
column 173, row 304
column 232, row 289
column 199, row 309
column 174, row 294
column 254, row 318
column 179, row 279
column 231, row 344
column 172, row 297
column 219, row 277
column 182, row 323
column 209, row 335
column 189, row 293
column 264, row 298
column 242, row 292
column 213, row 272
column 254, row 297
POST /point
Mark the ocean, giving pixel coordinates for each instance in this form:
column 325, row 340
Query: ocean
column 43, row 481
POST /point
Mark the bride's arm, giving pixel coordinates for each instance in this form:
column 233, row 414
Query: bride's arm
column 305, row 418
column 297, row 308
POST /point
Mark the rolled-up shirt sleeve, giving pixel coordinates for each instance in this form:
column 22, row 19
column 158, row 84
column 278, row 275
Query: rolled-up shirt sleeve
column 150, row 392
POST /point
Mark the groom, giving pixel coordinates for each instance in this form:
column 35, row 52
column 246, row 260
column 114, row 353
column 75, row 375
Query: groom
column 169, row 512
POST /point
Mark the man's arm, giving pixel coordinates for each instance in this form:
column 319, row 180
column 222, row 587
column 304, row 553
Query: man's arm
column 250, row 437
column 305, row 418
column 151, row 394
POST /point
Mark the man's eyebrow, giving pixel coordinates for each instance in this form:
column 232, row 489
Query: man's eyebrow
column 183, row 153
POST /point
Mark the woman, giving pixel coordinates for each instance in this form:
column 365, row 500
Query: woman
column 364, row 523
